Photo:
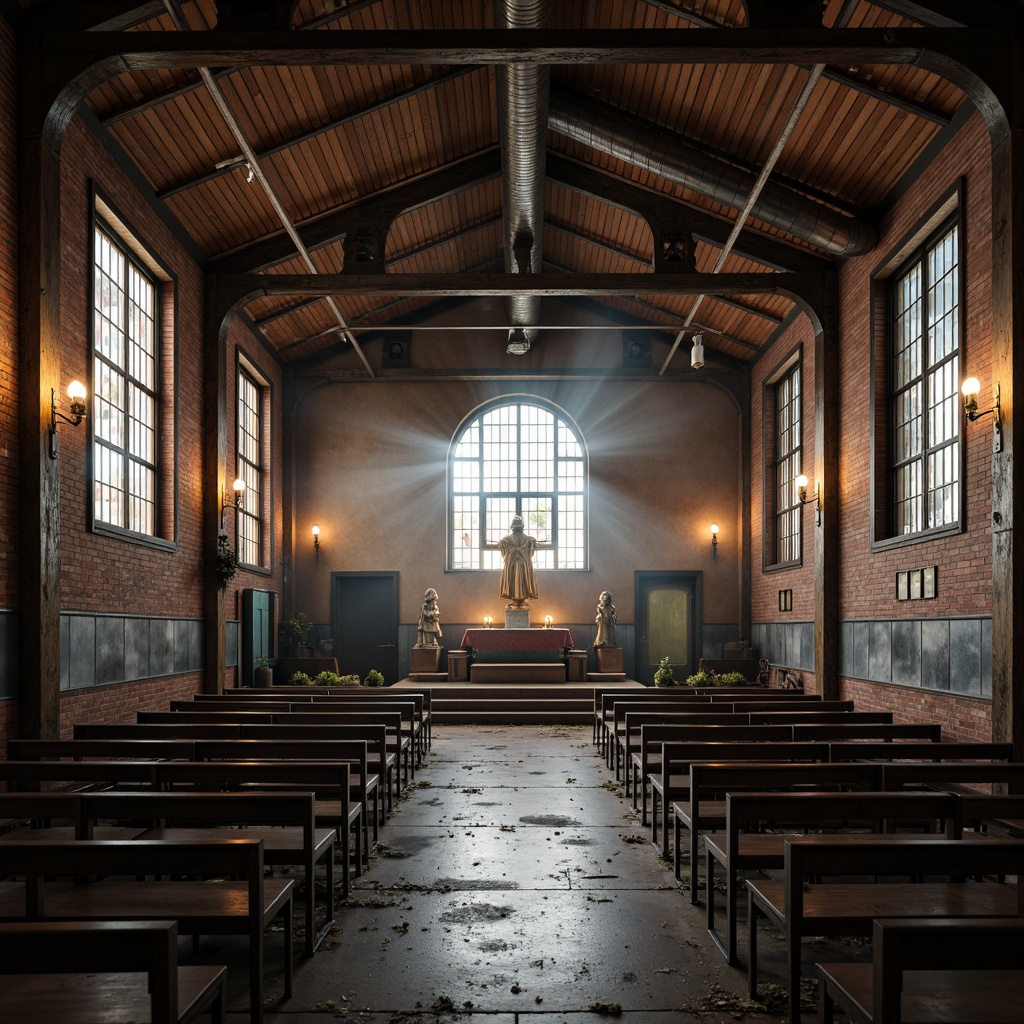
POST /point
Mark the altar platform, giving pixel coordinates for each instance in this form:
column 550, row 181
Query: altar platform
column 521, row 703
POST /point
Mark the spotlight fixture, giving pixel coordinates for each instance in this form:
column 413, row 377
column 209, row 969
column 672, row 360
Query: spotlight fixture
column 803, row 497
column 697, row 352
column 714, row 541
column 316, row 541
column 76, row 403
column 238, row 488
column 970, row 389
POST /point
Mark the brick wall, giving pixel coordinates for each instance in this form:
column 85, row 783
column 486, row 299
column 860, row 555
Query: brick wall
column 114, row 704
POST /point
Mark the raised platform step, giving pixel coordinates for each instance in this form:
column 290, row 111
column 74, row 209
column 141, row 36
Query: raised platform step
column 484, row 703
column 512, row 672
column 512, row 717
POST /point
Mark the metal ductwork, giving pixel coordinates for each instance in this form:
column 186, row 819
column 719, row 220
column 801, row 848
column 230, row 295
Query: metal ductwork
column 645, row 145
column 523, row 118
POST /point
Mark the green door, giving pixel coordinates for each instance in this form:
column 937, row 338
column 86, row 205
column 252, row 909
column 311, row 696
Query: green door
column 667, row 623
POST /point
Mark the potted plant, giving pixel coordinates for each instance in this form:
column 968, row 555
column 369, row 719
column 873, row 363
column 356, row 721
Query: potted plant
column 663, row 674
column 327, row 678
column 263, row 675
column 702, row 678
column 300, row 679
column 227, row 562
column 373, row 678
column 298, row 629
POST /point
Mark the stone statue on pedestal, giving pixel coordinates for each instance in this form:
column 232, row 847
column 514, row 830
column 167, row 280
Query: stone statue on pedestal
column 428, row 630
column 518, row 580
column 605, row 620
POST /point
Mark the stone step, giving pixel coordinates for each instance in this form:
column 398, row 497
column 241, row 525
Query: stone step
column 514, row 672
column 512, row 717
column 474, row 703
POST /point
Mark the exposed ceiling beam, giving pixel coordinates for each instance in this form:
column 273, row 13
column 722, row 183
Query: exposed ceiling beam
column 381, row 207
column 97, row 15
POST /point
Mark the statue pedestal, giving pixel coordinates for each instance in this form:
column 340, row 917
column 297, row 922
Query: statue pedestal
column 425, row 659
column 517, row 618
column 609, row 659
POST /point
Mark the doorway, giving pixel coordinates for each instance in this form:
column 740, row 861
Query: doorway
column 364, row 620
column 669, row 614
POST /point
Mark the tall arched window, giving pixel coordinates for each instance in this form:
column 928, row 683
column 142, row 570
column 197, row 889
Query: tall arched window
column 522, row 456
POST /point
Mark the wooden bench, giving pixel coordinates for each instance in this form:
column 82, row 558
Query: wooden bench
column 132, row 969
column 802, row 905
column 284, row 821
column 102, row 750
column 944, row 751
column 233, row 897
column 628, row 717
column 742, row 848
column 364, row 783
column 954, row 776
column 956, row 970
column 733, row 744
column 812, row 716
column 884, row 732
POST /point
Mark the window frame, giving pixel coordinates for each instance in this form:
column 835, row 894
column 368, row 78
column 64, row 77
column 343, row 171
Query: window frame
column 948, row 211
column 263, row 518
column 770, row 560
column 105, row 217
column 474, row 417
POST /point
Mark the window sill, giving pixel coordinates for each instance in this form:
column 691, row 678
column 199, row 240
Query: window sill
column 921, row 537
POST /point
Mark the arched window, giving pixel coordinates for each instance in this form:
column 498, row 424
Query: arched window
column 522, row 456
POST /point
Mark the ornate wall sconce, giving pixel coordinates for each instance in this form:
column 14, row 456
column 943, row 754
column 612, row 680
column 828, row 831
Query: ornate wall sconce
column 714, row 541
column 76, row 396
column 970, row 389
column 803, row 497
column 316, row 541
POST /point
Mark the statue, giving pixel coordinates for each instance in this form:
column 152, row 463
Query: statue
column 428, row 630
column 605, row 620
column 518, row 581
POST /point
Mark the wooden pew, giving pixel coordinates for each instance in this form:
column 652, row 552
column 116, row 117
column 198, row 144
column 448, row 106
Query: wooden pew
column 157, row 731
column 102, row 750
column 981, row 810
column 954, row 970
column 953, row 776
column 673, row 783
column 285, row 821
column 364, row 782
column 237, row 901
column 885, row 732
column 944, row 751
column 813, row 716
column 132, row 969
column 740, row 848
column 626, row 714
column 604, row 706
column 801, row 905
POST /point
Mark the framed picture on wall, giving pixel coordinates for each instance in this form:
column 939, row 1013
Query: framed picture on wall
column 928, row 581
column 902, row 586
column 915, row 584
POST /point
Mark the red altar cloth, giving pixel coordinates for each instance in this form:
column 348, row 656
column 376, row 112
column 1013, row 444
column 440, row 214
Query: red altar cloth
column 517, row 639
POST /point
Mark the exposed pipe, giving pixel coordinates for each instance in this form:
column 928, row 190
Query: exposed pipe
column 523, row 119
column 642, row 144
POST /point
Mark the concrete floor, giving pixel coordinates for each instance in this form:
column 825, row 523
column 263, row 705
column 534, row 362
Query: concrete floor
column 513, row 884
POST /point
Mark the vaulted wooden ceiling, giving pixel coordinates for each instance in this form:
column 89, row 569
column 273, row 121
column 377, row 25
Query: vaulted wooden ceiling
column 635, row 158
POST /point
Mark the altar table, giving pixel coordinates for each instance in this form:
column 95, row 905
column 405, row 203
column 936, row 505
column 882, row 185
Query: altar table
column 517, row 639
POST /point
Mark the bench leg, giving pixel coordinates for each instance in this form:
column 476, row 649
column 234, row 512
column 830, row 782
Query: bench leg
column 724, row 948
column 793, row 972
column 826, row 1006
column 694, row 840
column 751, row 946
column 677, row 860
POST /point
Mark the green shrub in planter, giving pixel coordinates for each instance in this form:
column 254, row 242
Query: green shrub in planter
column 663, row 674
column 702, row 678
column 327, row 678
column 350, row 680
column 731, row 679
column 373, row 678
column 300, row 679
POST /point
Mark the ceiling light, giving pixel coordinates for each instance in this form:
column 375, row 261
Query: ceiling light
column 697, row 352
column 518, row 342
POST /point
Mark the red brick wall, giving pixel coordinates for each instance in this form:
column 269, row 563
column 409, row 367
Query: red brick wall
column 118, row 703
column 868, row 588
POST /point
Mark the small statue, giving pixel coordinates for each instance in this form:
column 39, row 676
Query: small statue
column 605, row 620
column 428, row 630
column 518, row 580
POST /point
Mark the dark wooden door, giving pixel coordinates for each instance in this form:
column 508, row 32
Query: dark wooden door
column 668, row 621
column 364, row 618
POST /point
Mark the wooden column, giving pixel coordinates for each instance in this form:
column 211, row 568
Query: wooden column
column 826, row 477
column 1007, row 472
column 214, row 476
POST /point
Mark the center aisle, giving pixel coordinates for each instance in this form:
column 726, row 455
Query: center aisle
column 513, row 882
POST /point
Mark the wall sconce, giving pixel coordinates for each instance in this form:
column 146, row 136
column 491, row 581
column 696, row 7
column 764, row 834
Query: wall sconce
column 714, row 541
column 76, row 394
column 547, row 621
column 316, row 541
column 803, row 497
column 697, row 352
column 238, row 488
column 970, row 389
column 487, row 621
